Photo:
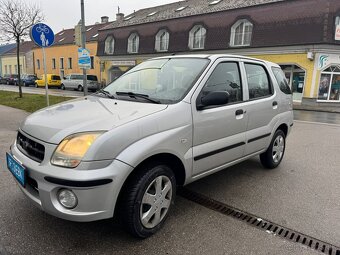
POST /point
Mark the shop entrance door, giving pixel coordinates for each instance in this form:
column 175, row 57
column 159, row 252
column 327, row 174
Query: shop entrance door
column 296, row 80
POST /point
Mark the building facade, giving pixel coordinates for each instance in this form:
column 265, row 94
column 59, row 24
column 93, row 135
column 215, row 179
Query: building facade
column 3, row 50
column 62, row 56
column 9, row 63
column 302, row 36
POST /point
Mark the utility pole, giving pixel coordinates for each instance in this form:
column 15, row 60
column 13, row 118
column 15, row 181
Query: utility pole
column 83, row 43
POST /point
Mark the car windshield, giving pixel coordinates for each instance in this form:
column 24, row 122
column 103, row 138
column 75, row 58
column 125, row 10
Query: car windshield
column 92, row 78
column 164, row 80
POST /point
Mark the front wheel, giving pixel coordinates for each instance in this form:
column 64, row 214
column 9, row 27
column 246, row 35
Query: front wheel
column 80, row 88
column 36, row 85
column 272, row 157
column 62, row 87
column 148, row 197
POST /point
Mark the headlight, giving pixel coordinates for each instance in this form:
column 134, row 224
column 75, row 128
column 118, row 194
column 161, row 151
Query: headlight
column 72, row 149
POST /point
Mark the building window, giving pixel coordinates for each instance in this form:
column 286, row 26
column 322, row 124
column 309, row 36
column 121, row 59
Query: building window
column 6, row 71
column 162, row 40
column 241, row 33
column 197, row 37
column 61, row 63
column 133, row 43
column 69, row 63
column 109, row 45
column 38, row 64
column 16, row 69
column 10, row 69
column 53, row 63
column 92, row 62
column 329, row 86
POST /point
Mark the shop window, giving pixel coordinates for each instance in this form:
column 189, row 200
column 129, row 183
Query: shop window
column 295, row 76
column 329, row 86
column 162, row 40
column 197, row 37
column 109, row 45
column 133, row 43
column 241, row 33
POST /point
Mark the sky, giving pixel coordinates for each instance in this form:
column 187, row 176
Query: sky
column 62, row 14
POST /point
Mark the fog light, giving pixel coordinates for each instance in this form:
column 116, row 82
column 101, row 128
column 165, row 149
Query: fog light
column 67, row 198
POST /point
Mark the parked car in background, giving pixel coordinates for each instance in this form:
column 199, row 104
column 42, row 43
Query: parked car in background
column 53, row 80
column 9, row 79
column 75, row 81
column 28, row 79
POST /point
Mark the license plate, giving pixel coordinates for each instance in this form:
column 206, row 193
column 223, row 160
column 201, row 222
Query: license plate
column 16, row 169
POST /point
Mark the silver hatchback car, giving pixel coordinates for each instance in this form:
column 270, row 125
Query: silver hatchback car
column 166, row 123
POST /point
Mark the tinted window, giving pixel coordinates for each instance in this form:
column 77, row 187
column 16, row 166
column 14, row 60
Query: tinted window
column 281, row 80
column 225, row 77
column 258, row 81
column 55, row 77
column 92, row 78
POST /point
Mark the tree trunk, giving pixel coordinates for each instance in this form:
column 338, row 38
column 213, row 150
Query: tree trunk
column 18, row 65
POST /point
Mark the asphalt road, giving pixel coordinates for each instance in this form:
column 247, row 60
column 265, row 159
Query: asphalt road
column 41, row 91
column 302, row 194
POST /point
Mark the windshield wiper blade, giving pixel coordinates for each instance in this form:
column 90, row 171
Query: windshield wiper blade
column 106, row 93
column 135, row 95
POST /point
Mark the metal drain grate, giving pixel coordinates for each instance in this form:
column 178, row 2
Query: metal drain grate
column 266, row 225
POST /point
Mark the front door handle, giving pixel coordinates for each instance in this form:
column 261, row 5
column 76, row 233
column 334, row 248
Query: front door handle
column 239, row 112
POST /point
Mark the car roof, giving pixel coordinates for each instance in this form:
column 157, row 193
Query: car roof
column 213, row 57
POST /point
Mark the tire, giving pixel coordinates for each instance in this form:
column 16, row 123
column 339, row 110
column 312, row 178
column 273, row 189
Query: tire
column 25, row 85
column 36, row 85
column 62, row 86
column 7, row 82
column 142, row 186
column 80, row 88
column 273, row 156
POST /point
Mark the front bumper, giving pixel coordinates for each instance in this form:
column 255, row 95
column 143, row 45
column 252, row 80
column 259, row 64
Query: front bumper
column 97, row 189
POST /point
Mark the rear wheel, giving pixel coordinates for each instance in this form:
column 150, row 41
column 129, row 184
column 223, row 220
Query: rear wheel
column 25, row 85
column 80, row 88
column 36, row 85
column 147, row 199
column 272, row 157
column 62, row 87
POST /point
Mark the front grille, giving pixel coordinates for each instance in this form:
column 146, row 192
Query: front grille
column 30, row 148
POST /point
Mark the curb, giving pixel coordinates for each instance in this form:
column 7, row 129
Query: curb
column 315, row 110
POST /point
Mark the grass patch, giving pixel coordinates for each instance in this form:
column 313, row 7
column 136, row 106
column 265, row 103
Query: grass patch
column 29, row 102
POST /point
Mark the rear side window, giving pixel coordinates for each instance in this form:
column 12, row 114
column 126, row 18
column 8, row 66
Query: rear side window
column 281, row 80
column 55, row 77
column 225, row 77
column 92, row 78
column 258, row 81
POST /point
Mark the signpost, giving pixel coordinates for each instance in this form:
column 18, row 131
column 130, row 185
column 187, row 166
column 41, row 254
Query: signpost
column 43, row 36
column 84, row 59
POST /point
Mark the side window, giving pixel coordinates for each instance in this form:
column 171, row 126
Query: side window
column 225, row 77
column 258, row 81
column 281, row 80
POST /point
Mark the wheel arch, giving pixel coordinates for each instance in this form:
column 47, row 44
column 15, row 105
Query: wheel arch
column 284, row 128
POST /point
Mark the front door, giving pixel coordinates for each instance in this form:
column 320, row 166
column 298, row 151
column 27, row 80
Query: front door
column 219, row 131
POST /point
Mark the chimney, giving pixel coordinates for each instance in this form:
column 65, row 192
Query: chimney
column 119, row 16
column 105, row 19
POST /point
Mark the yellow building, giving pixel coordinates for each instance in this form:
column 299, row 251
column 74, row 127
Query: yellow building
column 62, row 56
column 9, row 60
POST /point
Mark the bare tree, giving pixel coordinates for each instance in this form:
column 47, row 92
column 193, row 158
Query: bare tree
column 16, row 19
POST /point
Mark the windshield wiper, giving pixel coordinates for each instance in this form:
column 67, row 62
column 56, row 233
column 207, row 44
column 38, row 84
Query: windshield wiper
column 106, row 93
column 135, row 95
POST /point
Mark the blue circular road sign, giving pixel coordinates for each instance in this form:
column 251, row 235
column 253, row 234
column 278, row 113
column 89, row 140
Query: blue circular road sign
column 42, row 35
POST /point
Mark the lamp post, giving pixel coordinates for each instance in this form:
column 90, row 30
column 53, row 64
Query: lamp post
column 83, row 43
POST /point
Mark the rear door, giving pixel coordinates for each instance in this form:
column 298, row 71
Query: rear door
column 262, row 106
column 219, row 131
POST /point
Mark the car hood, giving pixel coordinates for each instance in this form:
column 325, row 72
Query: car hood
column 86, row 114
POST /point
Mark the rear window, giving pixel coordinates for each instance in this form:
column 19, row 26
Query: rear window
column 281, row 80
column 92, row 78
column 55, row 77
column 14, row 76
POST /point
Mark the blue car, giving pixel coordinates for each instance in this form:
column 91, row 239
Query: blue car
column 28, row 79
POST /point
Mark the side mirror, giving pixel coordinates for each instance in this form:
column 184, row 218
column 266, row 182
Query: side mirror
column 213, row 98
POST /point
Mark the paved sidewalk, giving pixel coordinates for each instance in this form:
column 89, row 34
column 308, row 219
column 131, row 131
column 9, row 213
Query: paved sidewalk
column 298, row 106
